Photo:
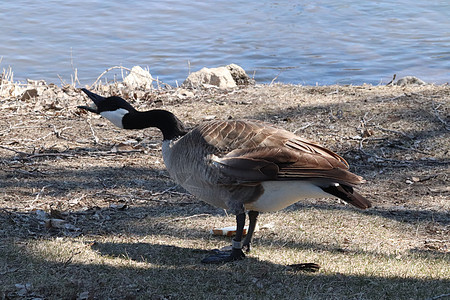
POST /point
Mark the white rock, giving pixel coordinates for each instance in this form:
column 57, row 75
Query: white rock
column 219, row 77
column 183, row 93
column 410, row 80
column 138, row 78
column 222, row 77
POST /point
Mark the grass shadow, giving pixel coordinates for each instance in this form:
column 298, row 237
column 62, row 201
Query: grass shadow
column 127, row 271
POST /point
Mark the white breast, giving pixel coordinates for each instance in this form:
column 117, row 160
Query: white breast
column 166, row 152
column 280, row 194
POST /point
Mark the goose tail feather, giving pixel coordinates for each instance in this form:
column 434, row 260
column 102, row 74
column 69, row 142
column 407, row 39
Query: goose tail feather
column 347, row 194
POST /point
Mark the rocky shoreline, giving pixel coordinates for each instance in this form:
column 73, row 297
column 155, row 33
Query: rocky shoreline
column 138, row 82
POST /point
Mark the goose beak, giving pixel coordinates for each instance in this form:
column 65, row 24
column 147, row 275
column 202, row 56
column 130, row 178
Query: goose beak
column 95, row 98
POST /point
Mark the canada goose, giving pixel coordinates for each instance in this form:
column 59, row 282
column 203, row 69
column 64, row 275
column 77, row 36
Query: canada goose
column 239, row 165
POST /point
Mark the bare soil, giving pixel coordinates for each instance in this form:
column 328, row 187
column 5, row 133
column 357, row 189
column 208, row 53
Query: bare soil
column 88, row 210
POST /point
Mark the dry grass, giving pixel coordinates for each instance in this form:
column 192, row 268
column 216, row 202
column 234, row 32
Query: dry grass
column 130, row 233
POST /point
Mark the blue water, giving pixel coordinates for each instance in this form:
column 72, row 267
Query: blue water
column 306, row 42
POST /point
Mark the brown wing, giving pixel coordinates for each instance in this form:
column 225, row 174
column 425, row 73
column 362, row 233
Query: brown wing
column 254, row 151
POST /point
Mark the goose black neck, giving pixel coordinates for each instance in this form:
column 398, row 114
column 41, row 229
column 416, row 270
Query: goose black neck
column 170, row 126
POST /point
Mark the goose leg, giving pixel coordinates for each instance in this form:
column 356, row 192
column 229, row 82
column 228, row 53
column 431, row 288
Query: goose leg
column 252, row 216
column 236, row 251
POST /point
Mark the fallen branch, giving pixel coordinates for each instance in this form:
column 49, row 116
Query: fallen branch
column 26, row 156
column 188, row 217
column 149, row 199
column 13, row 150
column 29, row 156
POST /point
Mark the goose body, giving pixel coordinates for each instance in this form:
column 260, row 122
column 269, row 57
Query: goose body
column 240, row 165
column 249, row 165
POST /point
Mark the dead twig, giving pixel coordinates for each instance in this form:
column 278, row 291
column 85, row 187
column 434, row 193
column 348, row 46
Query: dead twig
column 275, row 78
column 28, row 156
column 392, row 80
column 403, row 162
column 48, row 154
column 12, row 270
column 62, row 80
column 126, row 69
column 439, row 297
column 436, row 114
column 170, row 191
column 69, row 260
column 106, row 71
column 396, row 161
column 115, row 152
column 96, row 139
column 131, row 197
column 188, row 217
column 39, row 195
column 394, row 131
column 38, row 139
column 58, row 133
column 410, row 149
column 304, row 127
column 13, row 150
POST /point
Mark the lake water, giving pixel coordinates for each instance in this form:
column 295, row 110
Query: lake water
column 307, row 42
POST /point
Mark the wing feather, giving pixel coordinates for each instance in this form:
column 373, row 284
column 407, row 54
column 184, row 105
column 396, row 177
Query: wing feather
column 254, row 151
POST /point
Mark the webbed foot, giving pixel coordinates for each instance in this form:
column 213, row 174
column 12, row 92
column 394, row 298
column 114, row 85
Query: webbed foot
column 224, row 256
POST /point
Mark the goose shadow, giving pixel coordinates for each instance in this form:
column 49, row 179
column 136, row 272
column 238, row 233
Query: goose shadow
column 173, row 272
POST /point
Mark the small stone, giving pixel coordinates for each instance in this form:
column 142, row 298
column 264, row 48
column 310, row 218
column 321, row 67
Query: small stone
column 183, row 94
column 209, row 117
column 222, row 77
column 28, row 94
column 138, row 78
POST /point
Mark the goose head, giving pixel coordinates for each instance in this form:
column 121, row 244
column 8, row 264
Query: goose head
column 112, row 108
column 123, row 115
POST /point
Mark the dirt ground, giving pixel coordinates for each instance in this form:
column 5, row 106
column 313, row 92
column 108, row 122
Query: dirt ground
column 66, row 174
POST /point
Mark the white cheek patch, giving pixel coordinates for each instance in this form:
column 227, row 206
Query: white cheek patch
column 115, row 116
